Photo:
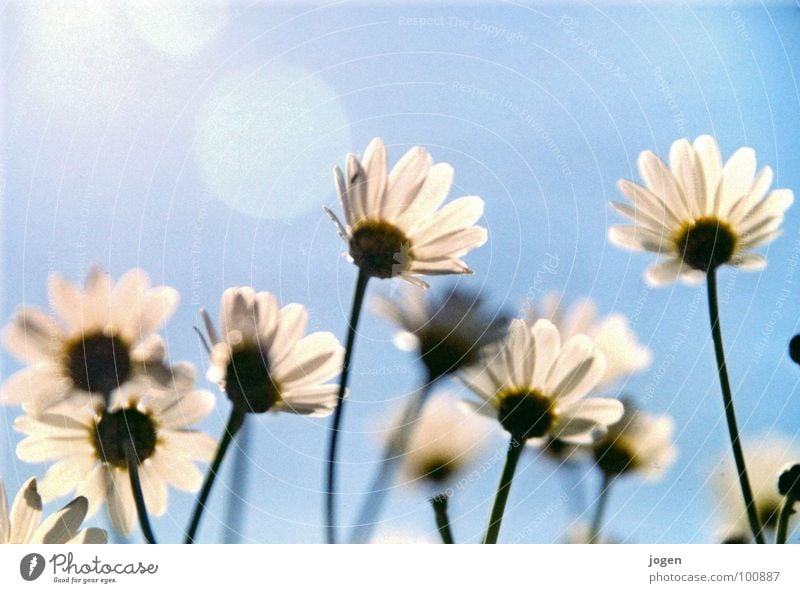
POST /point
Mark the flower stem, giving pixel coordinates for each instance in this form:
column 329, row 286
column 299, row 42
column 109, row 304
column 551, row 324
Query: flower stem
column 235, row 422
column 600, row 508
column 138, row 496
column 515, row 448
column 234, row 514
column 727, row 398
column 333, row 441
column 392, row 455
column 439, row 503
column 783, row 520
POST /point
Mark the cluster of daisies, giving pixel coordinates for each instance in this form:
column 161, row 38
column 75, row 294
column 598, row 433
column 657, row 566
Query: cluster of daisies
column 117, row 420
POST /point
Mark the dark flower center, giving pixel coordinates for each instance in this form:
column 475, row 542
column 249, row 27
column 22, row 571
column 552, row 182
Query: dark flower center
column 444, row 353
column 248, row 382
column 526, row 415
column 98, row 363
column 706, row 243
column 613, row 457
column 117, row 431
column 380, row 249
column 437, row 470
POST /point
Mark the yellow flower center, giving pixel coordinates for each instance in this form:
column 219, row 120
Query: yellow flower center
column 380, row 249
column 706, row 243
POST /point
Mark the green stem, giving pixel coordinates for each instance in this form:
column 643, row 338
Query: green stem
column 136, row 485
column 240, row 470
column 600, row 508
column 730, row 415
column 392, row 455
column 783, row 520
column 235, row 422
column 333, row 441
column 515, row 448
column 439, row 503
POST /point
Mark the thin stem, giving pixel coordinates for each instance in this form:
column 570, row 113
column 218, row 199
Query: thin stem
column 600, row 508
column 138, row 497
column 439, row 503
column 234, row 514
column 235, row 422
column 783, row 520
column 392, row 455
column 730, row 415
column 333, row 441
column 515, row 448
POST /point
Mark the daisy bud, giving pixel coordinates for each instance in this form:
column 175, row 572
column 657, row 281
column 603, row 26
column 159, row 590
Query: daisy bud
column 789, row 482
column 794, row 349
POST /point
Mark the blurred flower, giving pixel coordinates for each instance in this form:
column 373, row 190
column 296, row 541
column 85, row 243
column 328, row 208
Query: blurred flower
column 581, row 532
column 612, row 334
column 448, row 332
column 264, row 362
column 22, row 525
column 445, row 440
column 393, row 224
column 639, row 443
column 767, row 458
column 536, row 388
column 106, row 339
column 698, row 214
column 89, row 446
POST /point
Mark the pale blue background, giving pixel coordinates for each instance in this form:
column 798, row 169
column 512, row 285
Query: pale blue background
column 540, row 111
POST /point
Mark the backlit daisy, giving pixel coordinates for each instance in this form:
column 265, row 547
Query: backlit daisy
column 698, row 214
column 536, row 387
column 446, row 332
column 639, row 443
column 767, row 458
column 393, row 224
column 264, row 361
column 611, row 334
column 104, row 338
column 445, row 440
column 23, row 524
column 90, row 446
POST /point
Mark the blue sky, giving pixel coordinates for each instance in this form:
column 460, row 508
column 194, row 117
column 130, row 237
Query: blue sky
column 198, row 146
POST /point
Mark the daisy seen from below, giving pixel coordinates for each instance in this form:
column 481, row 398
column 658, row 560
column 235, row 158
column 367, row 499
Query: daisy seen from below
column 396, row 227
column 264, row 362
column 536, row 388
column 105, row 336
column 639, row 444
column 143, row 435
column 23, row 524
column 699, row 215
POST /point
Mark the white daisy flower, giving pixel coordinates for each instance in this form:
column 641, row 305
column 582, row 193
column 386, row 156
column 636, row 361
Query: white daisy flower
column 89, row 446
column 445, row 440
column 639, row 443
column 536, row 387
column 698, row 214
column 393, row 224
column 447, row 332
column 767, row 457
column 611, row 334
column 23, row 524
column 264, row 362
column 106, row 338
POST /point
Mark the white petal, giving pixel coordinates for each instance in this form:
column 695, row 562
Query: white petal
column 316, row 358
column 662, row 183
column 577, row 371
column 649, row 203
column 64, row 525
column 458, row 214
column 291, row 327
column 754, row 196
column 737, row 177
column 197, row 446
column 547, row 342
column 314, row 400
column 664, row 272
column 121, row 506
column 178, row 472
column 186, row 409
column 711, row 161
column 749, row 261
column 25, row 513
column 66, row 299
column 640, row 238
column 453, row 245
column 92, row 535
column 5, row 527
column 429, row 198
column 604, row 411
column 405, row 182
column 356, row 183
column 66, row 475
column 37, row 386
column 642, row 218
column 376, row 169
column 94, row 489
column 689, row 172
column 33, row 336
column 153, row 488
